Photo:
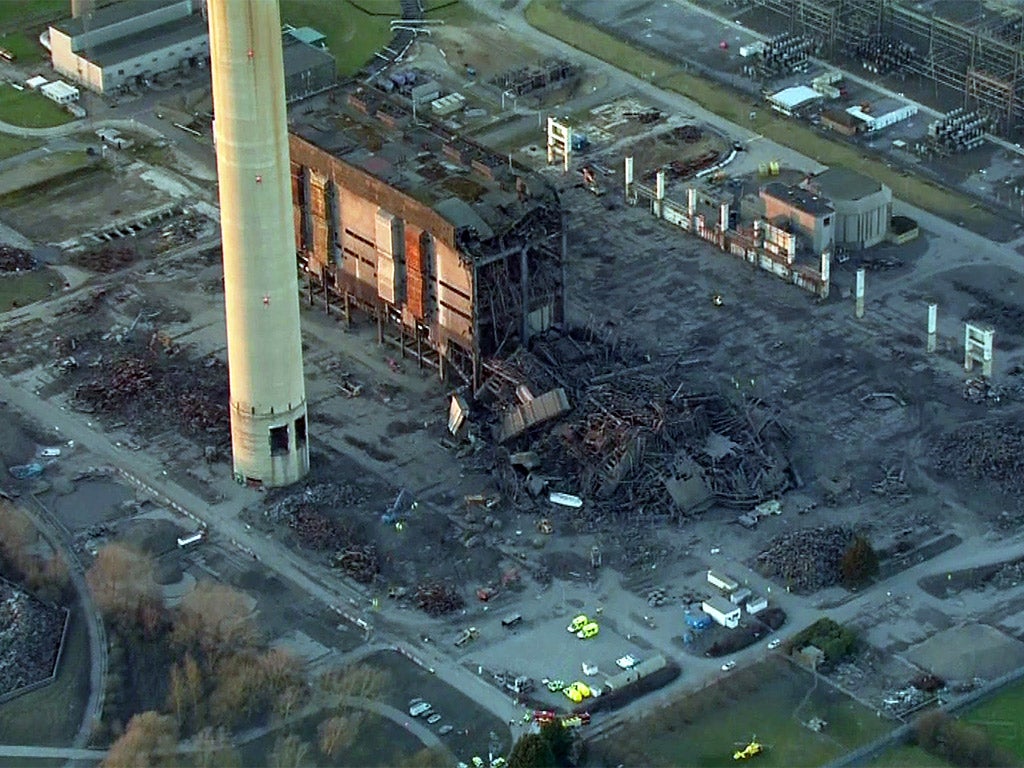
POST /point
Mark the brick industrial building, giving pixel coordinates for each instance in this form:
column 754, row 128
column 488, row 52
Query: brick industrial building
column 457, row 254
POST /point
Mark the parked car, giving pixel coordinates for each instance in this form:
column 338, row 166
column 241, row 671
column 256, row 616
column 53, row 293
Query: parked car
column 444, row 730
column 627, row 662
column 728, row 665
column 420, row 708
column 774, row 644
column 588, row 630
column 434, row 718
column 578, row 623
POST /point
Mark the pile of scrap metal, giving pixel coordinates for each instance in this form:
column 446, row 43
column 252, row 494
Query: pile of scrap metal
column 615, row 428
column 16, row 260
column 437, row 599
column 992, row 452
column 144, row 389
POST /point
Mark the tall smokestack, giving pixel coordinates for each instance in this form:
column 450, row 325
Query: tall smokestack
column 80, row 8
column 268, row 397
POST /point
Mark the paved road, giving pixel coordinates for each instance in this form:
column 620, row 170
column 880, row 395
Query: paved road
column 223, row 519
column 65, row 753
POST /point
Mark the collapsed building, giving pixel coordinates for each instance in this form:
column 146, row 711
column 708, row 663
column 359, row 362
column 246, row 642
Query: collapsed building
column 455, row 252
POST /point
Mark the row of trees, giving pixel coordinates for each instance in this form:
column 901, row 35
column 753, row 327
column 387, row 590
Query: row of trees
column 224, row 677
column 22, row 560
column 959, row 743
column 555, row 746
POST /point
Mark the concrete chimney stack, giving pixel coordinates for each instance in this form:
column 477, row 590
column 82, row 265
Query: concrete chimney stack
column 268, row 398
column 80, row 8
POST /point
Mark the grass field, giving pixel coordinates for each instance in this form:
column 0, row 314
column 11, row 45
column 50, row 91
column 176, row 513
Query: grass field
column 51, row 715
column 547, row 16
column 26, row 288
column 25, row 47
column 353, row 35
column 22, row 14
column 907, row 756
column 1002, row 717
column 15, row 145
column 29, row 109
column 771, row 700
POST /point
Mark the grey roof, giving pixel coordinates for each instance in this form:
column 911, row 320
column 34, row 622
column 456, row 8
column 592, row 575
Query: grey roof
column 301, row 57
column 308, row 35
column 845, row 184
column 459, row 213
column 152, row 39
column 801, row 199
column 110, row 14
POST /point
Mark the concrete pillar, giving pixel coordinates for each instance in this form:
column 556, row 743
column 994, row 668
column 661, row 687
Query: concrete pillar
column 978, row 347
column 659, row 192
column 860, row 293
column 524, row 287
column 933, row 326
column 826, row 273
column 628, row 176
column 267, row 391
column 723, row 217
column 691, row 202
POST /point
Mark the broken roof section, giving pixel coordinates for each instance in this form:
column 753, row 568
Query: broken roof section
column 478, row 192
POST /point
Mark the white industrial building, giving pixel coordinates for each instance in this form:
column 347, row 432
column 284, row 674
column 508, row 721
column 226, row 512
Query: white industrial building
column 60, row 92
column 722, row 611
column 790, row 99
column 863, row 207
column 129, row 42
column 878, row 122
column 722, row 581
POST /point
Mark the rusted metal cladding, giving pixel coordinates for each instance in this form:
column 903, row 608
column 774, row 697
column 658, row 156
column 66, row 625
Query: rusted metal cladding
column 300, row 243
column 415, row 297
column 318, row 195
column 321, row 246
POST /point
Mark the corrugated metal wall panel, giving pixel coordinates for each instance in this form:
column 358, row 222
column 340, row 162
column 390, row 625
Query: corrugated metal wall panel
column 384, row 225
column 414, row 272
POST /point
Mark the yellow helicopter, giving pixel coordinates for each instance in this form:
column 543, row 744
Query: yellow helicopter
column 752, row 749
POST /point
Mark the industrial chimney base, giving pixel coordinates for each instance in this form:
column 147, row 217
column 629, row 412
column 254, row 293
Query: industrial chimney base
column 270, row 450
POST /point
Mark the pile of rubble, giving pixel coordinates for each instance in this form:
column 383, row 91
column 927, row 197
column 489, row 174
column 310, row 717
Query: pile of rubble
column 806, row 560
column 623, row 431
column 302, row 510
column 981, row 390
column 143, row 389
column 992, row 452
column 105, row 258
column 1009, row 575
column 30, row 635
column 16, row 260
column 436, row 599
column 893, row 485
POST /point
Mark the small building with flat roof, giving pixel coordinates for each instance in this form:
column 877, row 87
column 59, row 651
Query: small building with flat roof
column 809, row 214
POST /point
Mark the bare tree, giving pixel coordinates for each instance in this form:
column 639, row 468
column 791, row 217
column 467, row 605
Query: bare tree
column 357, row 680
column 185, row 692
column 213, row 749
column 289, row 752
column 149, row 740
column 338, row 732
column 121, row 580
column 216, row 619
